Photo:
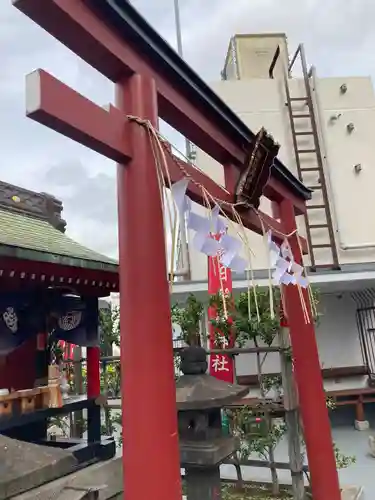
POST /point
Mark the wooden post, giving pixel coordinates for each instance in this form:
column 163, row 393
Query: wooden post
column 291, row 416
column 107, row 410
column 269, row 424
column 359, row 410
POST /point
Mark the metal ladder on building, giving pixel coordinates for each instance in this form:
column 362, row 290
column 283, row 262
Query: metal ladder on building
column 313, row 152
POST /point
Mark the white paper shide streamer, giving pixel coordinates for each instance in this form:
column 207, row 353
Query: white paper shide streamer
column 285, row 270
column 211, row 236
column 211, row 239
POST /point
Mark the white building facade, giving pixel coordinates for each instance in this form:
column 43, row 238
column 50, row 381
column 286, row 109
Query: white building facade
column 344, row 110
column 326, row 129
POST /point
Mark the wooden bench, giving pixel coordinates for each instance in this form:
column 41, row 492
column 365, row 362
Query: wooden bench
column 358, row 397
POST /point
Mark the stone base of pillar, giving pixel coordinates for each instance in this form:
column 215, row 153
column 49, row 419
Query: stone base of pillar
column 352, row 493
column 361, row 425
column 371, row 443
column 203, row 483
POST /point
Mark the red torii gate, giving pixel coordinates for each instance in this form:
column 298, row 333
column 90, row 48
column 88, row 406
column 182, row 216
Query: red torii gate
column 151, row 82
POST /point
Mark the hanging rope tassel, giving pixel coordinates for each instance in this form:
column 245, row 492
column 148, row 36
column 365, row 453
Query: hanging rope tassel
column 160, row 149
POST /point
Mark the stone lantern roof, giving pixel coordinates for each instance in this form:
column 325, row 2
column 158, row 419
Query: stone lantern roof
column 196, row 390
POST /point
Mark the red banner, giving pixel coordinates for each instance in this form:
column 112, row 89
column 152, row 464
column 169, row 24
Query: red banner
column 67, row 348
column 219, row 279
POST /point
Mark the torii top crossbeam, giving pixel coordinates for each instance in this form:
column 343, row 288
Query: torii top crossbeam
column 152, row 81
column 184, row 100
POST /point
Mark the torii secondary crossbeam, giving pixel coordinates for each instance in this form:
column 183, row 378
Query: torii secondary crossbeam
column 152, row 82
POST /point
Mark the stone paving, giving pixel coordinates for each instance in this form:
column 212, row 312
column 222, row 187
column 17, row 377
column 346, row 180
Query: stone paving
column 349, row 441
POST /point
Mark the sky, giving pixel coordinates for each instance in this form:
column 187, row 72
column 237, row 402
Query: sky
column 339, row 38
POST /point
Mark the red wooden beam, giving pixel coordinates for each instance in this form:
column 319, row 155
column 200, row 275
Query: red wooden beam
column 277, row 192
column 85, row 281
column 78, row 27
column 250, row 219
column 57, row 106
column 50, row 102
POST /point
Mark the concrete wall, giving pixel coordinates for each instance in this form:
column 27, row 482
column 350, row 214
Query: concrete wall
column 254, row 54
column 336, row 327
column 261, row 102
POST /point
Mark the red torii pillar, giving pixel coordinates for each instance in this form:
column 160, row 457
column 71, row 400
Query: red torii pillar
column 151, row 460
column 308, row 377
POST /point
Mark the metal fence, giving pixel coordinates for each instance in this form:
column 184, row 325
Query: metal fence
column 365, row 316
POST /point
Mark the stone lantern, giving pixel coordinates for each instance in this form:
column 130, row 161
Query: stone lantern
column 203, row 444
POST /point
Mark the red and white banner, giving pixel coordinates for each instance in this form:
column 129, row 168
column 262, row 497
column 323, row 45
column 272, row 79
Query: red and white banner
column 219, row 280
column 68, row 349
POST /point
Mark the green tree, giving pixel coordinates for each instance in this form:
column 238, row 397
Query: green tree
column 189, row 316
column 109, row 326
column 248, row 318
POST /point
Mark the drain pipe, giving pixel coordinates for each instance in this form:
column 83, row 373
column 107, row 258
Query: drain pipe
column 361, row 246
column 342, row 245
